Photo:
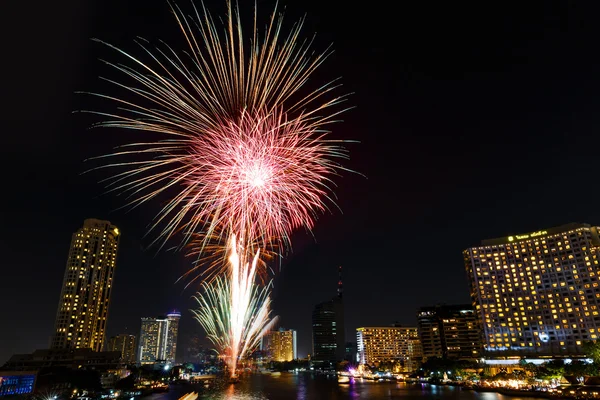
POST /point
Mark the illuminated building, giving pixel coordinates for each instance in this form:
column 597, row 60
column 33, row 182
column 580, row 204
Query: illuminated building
column 390, row 344
column 280, row 345
column 328, row 329
column 125, row 344
column 158, row 339
column 537, row 293
column 87, row 284
column 172, row 333
column 449, row 331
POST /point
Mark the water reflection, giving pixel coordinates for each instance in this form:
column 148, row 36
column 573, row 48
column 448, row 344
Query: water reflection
column 304, row 386
column 301, row 387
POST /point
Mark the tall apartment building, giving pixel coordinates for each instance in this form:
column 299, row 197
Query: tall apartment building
column 158, row 339
column 328, row 342
column 449, row 331
column 125, row 344
column 390, row 344
column 280, row 345
column 537, row 293
column 87, row 285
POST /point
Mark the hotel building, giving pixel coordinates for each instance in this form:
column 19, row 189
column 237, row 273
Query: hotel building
column 125, row 344
column 385, row 344
column 537, row 293
column 280, row 345
column 87, row 285
column 449, row 331
column 158, row 339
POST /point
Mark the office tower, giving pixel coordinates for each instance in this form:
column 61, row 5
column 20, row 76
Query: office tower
column 158, row 339
column 328, row 328
column 390, row 344
column 87, row 284
column 279, row 345
column 125, row 344
column 537, row 293
column 350, row 353
column 449, row 331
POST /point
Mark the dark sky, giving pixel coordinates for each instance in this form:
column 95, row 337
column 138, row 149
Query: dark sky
column 475, row 120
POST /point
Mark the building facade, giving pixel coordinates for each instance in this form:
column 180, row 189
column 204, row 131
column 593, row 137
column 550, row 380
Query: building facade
column 537, row 293
column 390, row 344
column 280, row 345
column 125, row 344
column 66, row 358
column 158, row 339
column 87, row 285
column 328, row 341
column 449, row 331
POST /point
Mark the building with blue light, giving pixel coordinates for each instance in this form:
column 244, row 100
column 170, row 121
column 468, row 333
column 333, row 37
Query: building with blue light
column 16, row 382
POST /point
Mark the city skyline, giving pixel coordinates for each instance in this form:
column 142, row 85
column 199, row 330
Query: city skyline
column 452, row 127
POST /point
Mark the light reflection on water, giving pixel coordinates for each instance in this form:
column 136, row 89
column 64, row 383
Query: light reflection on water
column 304, row 386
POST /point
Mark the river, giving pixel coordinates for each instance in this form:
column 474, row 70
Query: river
column 304, row 386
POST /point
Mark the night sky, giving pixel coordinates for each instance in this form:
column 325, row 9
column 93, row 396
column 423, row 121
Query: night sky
column 475, row 121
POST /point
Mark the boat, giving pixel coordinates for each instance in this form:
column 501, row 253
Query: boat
column 343, row 379
column 275, row 373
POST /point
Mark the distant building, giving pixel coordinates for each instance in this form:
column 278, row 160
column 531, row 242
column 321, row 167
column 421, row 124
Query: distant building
column 279, row 345
column 449, row 331
column 537, row 293
column 328, row 329
column 390, row 344
column 125, row 344
column 87, row 285
column 172, row 334
column 158, row 339
column 350, row 353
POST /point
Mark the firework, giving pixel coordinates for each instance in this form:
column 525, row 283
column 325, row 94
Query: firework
column 244, row 150
column 235, row 312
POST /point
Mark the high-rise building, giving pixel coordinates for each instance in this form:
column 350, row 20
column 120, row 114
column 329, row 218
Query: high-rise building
column 158, row 339
column 125, row 344
column 537, row 293
column 172, row 333
column 87, row 285
column 351, row 354
column 279, row 345
column 328, row 329
column 449, row 331
column 390, row 344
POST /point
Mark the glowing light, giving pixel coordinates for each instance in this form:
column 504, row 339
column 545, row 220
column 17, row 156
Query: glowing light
column 235, row 312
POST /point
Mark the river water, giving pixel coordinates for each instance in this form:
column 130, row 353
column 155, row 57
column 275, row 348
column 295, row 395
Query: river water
column 304, row 386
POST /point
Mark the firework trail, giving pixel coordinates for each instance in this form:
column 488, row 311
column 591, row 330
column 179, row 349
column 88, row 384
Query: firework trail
column 235, row 312
column 244, row 157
